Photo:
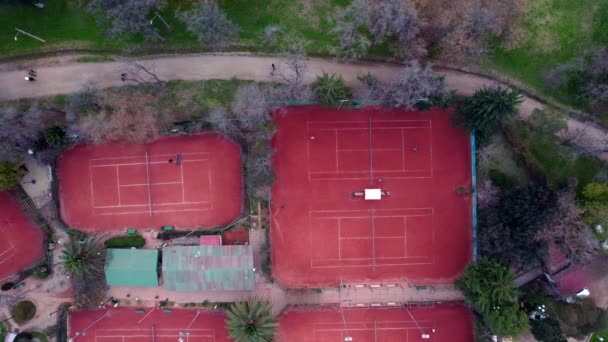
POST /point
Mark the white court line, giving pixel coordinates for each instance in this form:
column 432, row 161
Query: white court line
column 339, row 237
column 361, row 171
column 144, row 163
column 155, row 155
column 367, row 149
column 181, row 172
column 91, row 181
column 156, row 211
column 359, row 178
column 367, row 129
column 145, row 184
column 377, row 264
column 402, row 149
column 357, row 121
column 367, row 210
column 369, row 237
column 405, row 236
column 8, row 257
column 337, row 154
column 210, row 184
column 145, row 204
column 431, row 146
column 118, row 183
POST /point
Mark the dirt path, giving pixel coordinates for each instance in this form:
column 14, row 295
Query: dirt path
column 62, row 76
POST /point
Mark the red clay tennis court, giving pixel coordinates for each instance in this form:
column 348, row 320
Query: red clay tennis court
column 417, row 226
column 441, row 323
column 21, row 242
column 182, row 181
column 147, row 324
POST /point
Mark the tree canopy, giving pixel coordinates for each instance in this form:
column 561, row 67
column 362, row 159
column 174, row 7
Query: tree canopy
column 251, row 321
column 508, row 230
column 488, row 285
column 210, row 25
column 10, row 175
column 485, row 110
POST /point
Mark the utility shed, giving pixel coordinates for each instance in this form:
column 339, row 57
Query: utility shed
column 131, row 267
column 208, row 268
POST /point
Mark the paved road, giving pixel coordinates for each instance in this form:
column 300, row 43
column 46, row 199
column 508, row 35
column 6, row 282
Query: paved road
column 68, row 77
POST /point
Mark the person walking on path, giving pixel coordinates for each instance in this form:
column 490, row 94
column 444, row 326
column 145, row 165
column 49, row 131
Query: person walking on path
column 273, row 69
column 29, row 78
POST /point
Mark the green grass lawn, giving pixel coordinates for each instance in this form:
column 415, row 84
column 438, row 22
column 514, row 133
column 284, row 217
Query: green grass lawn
column 64, row 24
column 552, row 32
column 554, row 161
column 602, row 333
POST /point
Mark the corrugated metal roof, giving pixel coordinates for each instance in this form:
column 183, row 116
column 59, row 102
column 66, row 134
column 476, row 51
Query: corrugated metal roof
column 131, row 267
column 211, row 268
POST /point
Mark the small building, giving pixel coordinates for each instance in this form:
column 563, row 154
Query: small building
column 131, row 267
column 210, row 240
column 208, row 268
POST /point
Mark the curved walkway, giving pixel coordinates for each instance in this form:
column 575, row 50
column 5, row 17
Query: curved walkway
column 68, row 77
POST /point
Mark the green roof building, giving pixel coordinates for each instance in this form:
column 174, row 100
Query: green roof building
column 208, row 268
column 131, row 267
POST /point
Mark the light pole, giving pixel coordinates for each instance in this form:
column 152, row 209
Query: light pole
column 27, row 34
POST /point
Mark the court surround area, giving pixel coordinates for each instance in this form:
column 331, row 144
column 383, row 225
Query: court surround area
column 21, row 241
column 442, row 323
column 370, row 196
column 186, row 181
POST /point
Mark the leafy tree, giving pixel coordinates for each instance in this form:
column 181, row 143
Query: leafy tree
column 211, row 26
column 485, row 110
column 330, row 89
column 291, row 70
column 508, row 320
column 508, row 231
column 415, row 84
column 54, row 136
column 10, row 175
column 251, row 321
column 123, row 19
column 547, row 330
column 83, row 258
column 488, row 285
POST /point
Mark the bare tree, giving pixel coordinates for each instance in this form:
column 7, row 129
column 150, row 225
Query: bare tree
column 349, row 25
column 291, row 70
column 487, row 194
column 131, row 119
column 20, row 129
column 569, row 231
column 370, row 89
column 271, row 34
column 251, row 106
column 222, row 123
column 126, row 18
column 211, row 26
column 141, row 73
column 415, row 84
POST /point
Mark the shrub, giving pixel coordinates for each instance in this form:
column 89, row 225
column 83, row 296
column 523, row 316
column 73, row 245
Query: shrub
column 547, row 329
column 23, row 311
column 41, row 272
column 3, row 331
column 330, row 89
column 126, row 241
column 40, row 336
column 10, row 175
column 501, row 179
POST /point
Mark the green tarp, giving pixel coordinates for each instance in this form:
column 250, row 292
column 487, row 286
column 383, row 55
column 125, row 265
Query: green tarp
column 208, row 268
column 131, row 267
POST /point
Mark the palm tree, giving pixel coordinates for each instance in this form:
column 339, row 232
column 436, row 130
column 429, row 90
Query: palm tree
column 83, row 258
column 251, row 321
column 330, row 89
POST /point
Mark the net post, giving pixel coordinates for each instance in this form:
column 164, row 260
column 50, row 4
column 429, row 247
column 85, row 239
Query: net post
column 149, row 188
